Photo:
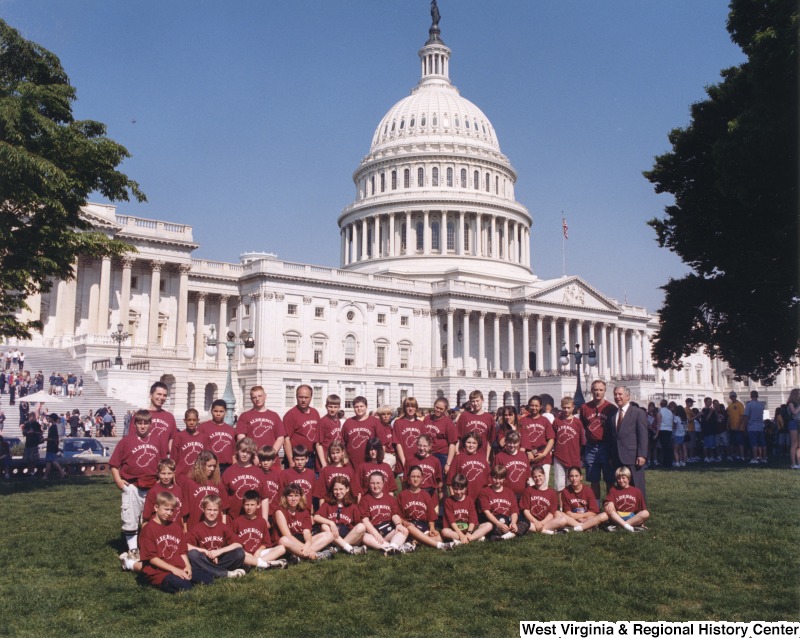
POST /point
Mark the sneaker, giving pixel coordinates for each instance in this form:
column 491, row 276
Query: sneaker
column 123, row 557
column 280, row 563
column 455, row 543
column 611, row 528
column 676, row 464
column 390, row 551
column 640, row 528
column 762, row 461
column 718, row 459
column 133, row 554
column 325, row 555
column 333, row 550
column 361, row 549
column 237, row 573
column 447, row 546
column 408, row 548
column 753, row 461
column 293, row 560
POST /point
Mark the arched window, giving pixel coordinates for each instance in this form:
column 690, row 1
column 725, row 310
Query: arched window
column 466, row 236
column 476, row 180
column 394, row 180
column 406, row 178
column 451, row 236
column 349, row 350
column 435, row 236
column 450, row 177
column 486, row 184
column 383, row 182
column 372, row 185
column 420, row 177
column 435, row 177
column 463, row 178
column 403, row 237
column 496, row 185
column 420, row 236
column 369, row 241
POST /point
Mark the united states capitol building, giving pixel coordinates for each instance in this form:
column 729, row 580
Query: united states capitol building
column 433, row 296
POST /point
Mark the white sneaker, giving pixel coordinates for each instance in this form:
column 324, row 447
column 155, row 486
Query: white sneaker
column 676, row 464
column 455, row 543
column 361, row 549
column 408, row 548
column 123, row 558
column 280, row 563
column 237, row 573
column 753, row 461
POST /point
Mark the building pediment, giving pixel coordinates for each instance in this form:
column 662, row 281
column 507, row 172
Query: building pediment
column 576, row 293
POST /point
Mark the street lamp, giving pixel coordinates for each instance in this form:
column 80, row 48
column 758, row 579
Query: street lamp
column 663, row 387
column 591, row 359
column 249, row 351
column 119, row 336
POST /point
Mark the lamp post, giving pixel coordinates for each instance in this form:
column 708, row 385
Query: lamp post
column 119, row 336
column 663, row 387
column 246, row 340
column 578, row 355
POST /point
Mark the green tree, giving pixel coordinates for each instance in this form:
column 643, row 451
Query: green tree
column 49, row 165
column 733, row 173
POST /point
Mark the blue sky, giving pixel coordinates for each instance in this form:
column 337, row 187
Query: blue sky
column 247, row 119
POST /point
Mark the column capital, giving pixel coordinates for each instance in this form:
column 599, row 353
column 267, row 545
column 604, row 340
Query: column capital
column 279, row 296
column 127, row 261
column 525, row 315
column 224, row 298
column 156, row 265
column 370, row 307
column 306, row 300
column 184, row 269
column 201, row 295
column 393, row 309
column 482, row 313
column 466, row 312
column 450, row 311
column 334, row 303
column 255, row 296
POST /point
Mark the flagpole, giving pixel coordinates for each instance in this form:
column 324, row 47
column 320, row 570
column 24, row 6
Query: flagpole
column 563, row 246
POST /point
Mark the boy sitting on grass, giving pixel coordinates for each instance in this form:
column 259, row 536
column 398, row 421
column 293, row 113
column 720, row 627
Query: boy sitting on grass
column 213, row 547
column 252, row 531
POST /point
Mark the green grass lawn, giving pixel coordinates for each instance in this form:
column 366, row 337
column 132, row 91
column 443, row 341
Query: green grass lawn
column 723, row 545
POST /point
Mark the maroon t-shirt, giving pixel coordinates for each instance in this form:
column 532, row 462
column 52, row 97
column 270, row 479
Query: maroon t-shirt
column 348, row 515
column 305, row 479
column 252, row 533
column 356, row 434
column 328, row 431
column 378, row 510
column 185, row 448
column 165, row 541
column 193, row 495
column 535, row 433
column 237, row 480
column 331, row 472
column 220, row 440
column 518, row 469
column 594, row 419
column 405, row 434
column 539, row 503
column 211, row 537
column 416, row 507
column 475, row 467
column 583, row 501
column 163, row 425
column 502, row 503
column 272, row 486
column 137, row 458
column 301, row 427
column 151, row 499
column 628, row 500
column 389, row 484
column 443, row 432
column 462, row 511
column 264, row 427
column 482, row 424
column 298, row 521
column 431, row 470
column 569, row 439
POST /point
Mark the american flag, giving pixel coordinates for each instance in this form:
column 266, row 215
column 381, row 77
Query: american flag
column 564, row 227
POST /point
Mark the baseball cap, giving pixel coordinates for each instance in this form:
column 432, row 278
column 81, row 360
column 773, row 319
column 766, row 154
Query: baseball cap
column 53, row 415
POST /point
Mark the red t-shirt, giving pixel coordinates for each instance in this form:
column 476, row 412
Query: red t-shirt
column 165, row 541
column 389, row 484
column 185, row 448
column 462, row 511
column 193, row 495
column 264, row 427
column 475, row 467
column 535, row 434
column 583, row 501
column 443, row 432
column 628, row 500
column 328, row 431
column 431, row 470
column 482, row 424
column 163, row 425
column 539, row 503
column 405, row 434
column 298, row 521
column 569, row 439
column 519, row 470
column 305, row 479
column 378, row 510
column 595, row 418
column 252, row 533
column 237, row 480
column 331, row 472
column 137, row 458
column 220, row 440
column 502, row 503
column 150, row 502
column 211, row 537
column 272, row 486
column 301, row 427
column 416, row 507
column 356, row 434
column 348, row 515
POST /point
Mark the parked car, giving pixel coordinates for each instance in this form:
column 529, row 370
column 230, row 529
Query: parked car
column 84, row 449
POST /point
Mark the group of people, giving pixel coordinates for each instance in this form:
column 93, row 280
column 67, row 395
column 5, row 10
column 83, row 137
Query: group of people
column 214, row 501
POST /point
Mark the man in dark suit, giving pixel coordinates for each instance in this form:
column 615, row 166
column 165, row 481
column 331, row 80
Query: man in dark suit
column 628, row 437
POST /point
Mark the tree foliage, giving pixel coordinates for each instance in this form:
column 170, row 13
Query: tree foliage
column 733, row 172
column 49, row 165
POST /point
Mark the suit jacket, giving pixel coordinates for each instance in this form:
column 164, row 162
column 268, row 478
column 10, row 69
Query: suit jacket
column 631, row 440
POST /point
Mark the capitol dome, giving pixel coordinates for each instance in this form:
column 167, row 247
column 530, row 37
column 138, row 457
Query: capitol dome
column 435, row 195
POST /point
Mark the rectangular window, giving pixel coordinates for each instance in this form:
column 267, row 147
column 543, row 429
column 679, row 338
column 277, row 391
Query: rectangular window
column 404, row 321
column 699, row 376
column 319, row 397
column 687, row 375
column 382, row 317
column 451, row 236
column 349, row 395
column 319, row 352
column 380, row 397
column 403, row 395
column 291, row 309
column 247, row 310
column 319, row 312
column 289, row 400
column 162, row 286
column 234, row 311
column 404, row 357
column 381, row 357
column 291, row 350
column 134, row 282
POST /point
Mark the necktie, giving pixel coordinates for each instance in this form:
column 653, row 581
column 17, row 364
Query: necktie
column 619, row 419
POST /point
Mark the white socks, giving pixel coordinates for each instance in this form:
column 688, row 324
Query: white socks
column 627, row 527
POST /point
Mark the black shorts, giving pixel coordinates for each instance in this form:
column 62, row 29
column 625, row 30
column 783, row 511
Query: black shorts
column 422, row 526
column 385, row 528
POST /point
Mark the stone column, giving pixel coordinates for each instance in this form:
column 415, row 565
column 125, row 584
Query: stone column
column 465, row 343
column 478, row 234
column 566, row 342
column 645, row 352
column 511, row 361
column 199, row 328
column 222, row 325
column 539, row 343
column 391, row 246
column 553, row 344
column 364, row 237
column 460, row 233
column 155, row 298
column 496, row 342
column 623, row 353
column 127, row 262
column 104, row 296
column 613, row 343
column 426, row 233
column 506, row 240
column 410, row 247
column 436, row 339
column 183, row 305
column 494, row 252
column 526, row 348
column 343, row 258
column 481, row 340
column 255, row 314
column 591, row 340
column 87, row 264
column 71, row 300
column 527, row 247
column 376, row 247
column 450, row 312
